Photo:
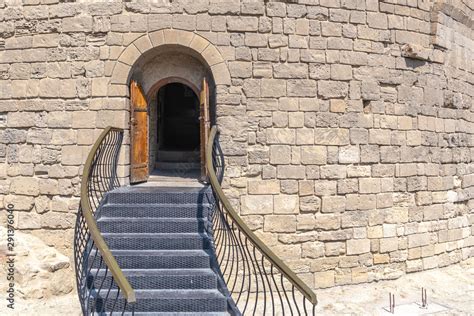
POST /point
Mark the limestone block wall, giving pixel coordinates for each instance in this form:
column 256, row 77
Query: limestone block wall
column 348, row 125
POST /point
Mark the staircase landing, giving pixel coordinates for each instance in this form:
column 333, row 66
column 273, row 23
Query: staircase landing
column 177, row 177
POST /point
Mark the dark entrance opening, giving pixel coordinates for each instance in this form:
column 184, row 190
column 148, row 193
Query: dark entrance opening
column 177, row 125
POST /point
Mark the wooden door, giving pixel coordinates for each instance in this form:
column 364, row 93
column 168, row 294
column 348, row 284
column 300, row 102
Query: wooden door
column 138, row 134
column 205, row 126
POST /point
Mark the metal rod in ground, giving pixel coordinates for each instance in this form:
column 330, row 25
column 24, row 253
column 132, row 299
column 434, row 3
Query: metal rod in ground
column 424, row 298
column 391, row 299
column 393, row 302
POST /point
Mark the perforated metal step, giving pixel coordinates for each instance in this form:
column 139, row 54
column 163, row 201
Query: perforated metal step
column 160, row 195
column 161, row 278
column 181, row 241
column 151, row 225
column 167, row 301
column 177, row 314
column 160, row 259
column 156, row 210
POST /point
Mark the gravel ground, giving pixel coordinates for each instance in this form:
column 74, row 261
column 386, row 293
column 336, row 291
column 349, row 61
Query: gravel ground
column 451, row 287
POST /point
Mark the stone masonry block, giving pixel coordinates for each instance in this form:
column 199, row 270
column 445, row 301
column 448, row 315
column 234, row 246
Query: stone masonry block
column 280, row 154
column 331, row 136
column 280, row 136
column 240, row 69
column 291, row 172
column 83, row 119
column 256, row 204
column 324, row 279
column 25, row 186
column 280, row 223
column 341, row 72
column 333, row 204
column 357, row 246
column 313, row 155
column 302, row 88
column 273, row 88
column 286, row 204
column 369, row 185
column 77, row 24
column 290, row 71
column 242, row 24
column 418, row 240
column 143, row 44
column 332, row 89
column 263, row 187
column 349, row 154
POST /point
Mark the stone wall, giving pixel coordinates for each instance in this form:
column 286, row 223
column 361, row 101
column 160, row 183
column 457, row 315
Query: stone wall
column 348, row 125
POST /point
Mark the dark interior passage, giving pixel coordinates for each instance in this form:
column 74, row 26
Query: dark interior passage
column 178, row 118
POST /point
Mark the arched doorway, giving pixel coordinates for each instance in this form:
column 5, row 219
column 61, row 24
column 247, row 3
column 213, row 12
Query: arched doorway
column 169, row 130
column 176, row 55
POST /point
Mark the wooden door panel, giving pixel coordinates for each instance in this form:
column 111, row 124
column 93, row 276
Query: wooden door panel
column 205, row 126
column 139, row 135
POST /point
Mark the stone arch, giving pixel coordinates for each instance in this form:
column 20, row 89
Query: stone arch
column 200, row 47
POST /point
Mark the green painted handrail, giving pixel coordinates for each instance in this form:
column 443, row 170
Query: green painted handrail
column 94, row 231
column 266, row 252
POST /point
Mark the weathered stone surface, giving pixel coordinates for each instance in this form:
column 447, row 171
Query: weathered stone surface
column 37, row 263
column 313, row 155
column 358, row 246
column 256, row 204
column 334, row 137
column 25, row 186
column 286, row 204
column 280, row 223
column 280, row 154
column 302, row 88
column 332, row 89
column 264, row 187
column 273, row 88
column 77, row 24
column 333, row 204
column 245, row 24
column 347, row 123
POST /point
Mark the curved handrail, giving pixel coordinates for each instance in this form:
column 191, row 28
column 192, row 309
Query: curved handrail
column 99, row 241
column 266, row 252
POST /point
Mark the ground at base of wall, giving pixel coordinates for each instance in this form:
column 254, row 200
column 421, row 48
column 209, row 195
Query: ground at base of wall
column 451, row 287
column 59, row 305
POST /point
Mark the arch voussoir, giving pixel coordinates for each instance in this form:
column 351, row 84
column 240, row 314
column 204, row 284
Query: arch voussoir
column 130, row 55
column 157, row 38
column 143, row 43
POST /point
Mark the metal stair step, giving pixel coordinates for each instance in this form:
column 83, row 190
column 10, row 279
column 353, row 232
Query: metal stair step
column 159, row 278
column 179, row 241
column 165, row 301
column 161, row 195
column 177, row 314
column 158, row 259
column 156, row 210
column 151, row 225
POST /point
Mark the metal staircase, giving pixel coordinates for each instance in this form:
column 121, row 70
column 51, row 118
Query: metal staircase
column 173, row 250
column 158, row 237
